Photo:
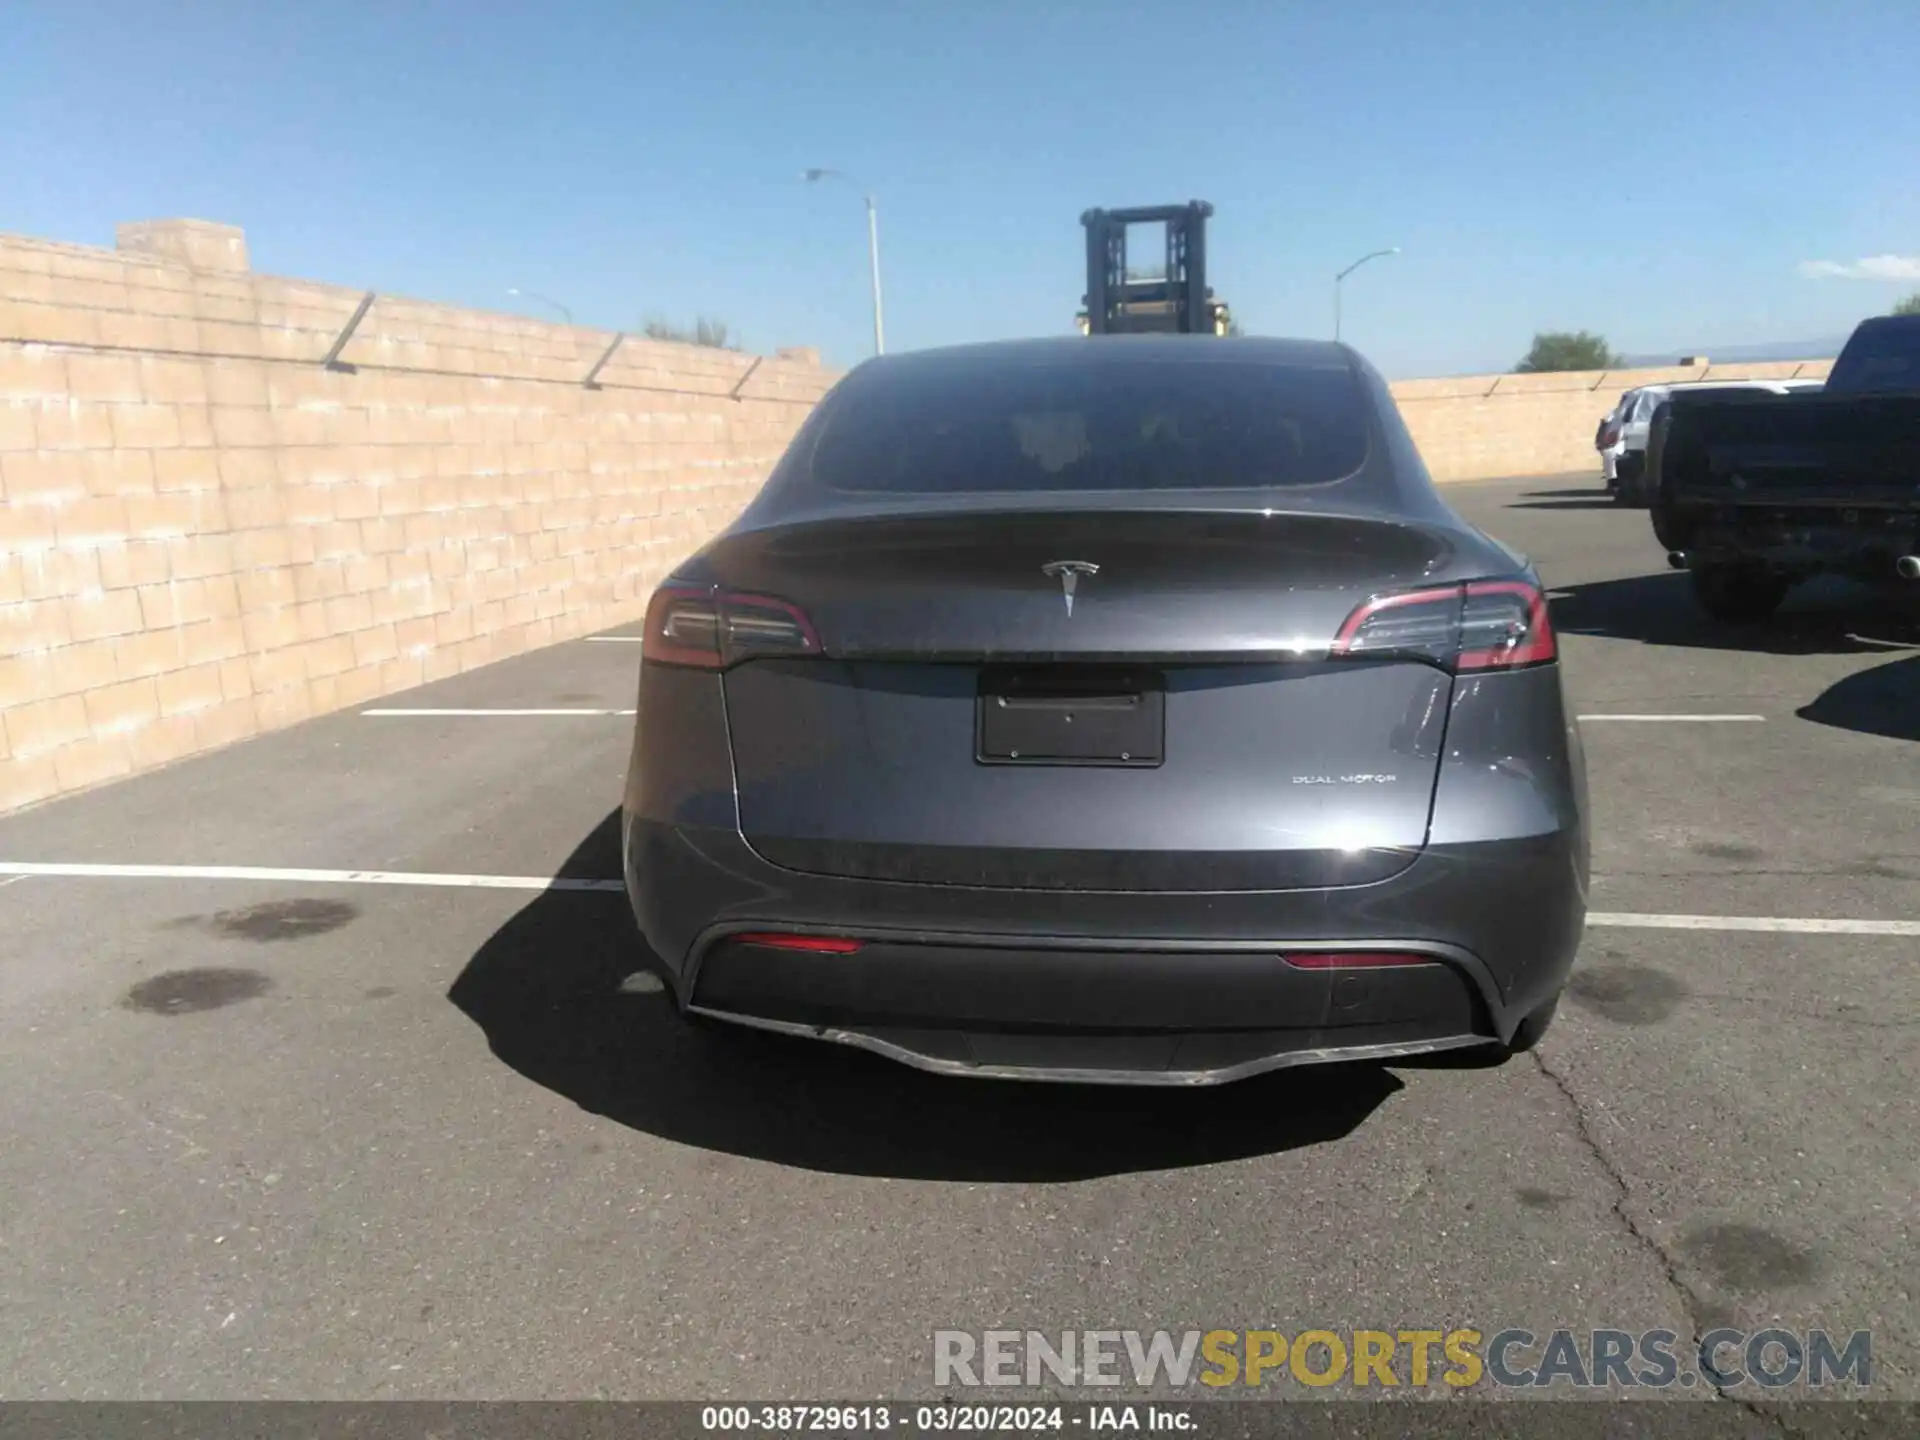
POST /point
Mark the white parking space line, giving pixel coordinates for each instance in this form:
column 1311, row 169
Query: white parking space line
column 1662, row 719
column 397, row 714
column 615, row 639
column 1786, row 925
column 20, row 869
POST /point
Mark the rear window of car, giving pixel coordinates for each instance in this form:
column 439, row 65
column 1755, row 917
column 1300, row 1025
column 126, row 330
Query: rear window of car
column 1000, row 427
column 1883, row 358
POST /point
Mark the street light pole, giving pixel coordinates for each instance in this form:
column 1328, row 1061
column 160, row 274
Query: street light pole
column 555, row 304
column 873, row 250
column 1375, row 255
column 873, row 259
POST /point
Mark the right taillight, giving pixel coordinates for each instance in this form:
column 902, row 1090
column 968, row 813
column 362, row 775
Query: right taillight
column 709, row 628
column 1482, row 625
column 1504, row 625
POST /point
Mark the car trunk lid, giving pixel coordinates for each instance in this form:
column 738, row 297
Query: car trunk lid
column 1219, row 746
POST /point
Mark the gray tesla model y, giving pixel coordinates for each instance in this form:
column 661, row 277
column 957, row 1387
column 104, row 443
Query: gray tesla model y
column 1124, row 709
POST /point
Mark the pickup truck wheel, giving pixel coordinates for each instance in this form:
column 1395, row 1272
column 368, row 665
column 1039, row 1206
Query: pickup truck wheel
column 1665, row 530
column 1737, row 595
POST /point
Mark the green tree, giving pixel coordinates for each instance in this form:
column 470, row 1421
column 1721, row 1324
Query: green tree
column 1566, row 350
column 1909, row 306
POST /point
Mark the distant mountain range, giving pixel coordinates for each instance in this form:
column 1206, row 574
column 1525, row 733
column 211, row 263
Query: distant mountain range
column 1743, row 354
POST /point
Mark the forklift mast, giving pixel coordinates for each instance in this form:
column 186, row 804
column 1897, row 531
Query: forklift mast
column 1123, row 299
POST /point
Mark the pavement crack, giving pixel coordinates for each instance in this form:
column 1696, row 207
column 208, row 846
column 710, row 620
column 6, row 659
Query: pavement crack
column 193, row 1147
column 1690, row 1303
column 1845, row 1016
column 1419, row 1180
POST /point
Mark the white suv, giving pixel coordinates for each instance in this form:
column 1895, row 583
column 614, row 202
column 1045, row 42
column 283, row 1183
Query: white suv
column 1622, row 440
column 1607, row 439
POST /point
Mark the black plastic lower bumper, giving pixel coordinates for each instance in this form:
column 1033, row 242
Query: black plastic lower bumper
column 1508, row 915
column 1170, row 1016
column 1199, row 1058
column 1013, row 986
column 1797, row 538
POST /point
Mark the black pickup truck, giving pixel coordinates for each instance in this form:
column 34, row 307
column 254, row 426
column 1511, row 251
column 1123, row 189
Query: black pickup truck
column 1752, row 495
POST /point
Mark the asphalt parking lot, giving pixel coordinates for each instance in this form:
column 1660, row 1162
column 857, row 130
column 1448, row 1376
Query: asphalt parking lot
column 369, row 1121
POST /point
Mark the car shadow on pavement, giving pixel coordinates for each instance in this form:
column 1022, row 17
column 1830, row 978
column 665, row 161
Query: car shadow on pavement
column 1882, row 701
column 1659, row 609
column 1566, row 500
column 546, row 991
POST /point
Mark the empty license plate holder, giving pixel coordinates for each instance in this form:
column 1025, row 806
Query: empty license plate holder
column 1071, row 715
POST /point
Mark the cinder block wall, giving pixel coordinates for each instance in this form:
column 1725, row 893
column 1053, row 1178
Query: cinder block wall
column 205, row 533
column 1478, row 427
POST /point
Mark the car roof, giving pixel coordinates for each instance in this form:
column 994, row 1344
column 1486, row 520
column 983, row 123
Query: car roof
column 1719, row 385
column 1888, row 322
column 1092, row 351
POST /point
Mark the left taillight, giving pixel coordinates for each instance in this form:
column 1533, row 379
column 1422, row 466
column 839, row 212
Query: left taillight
column 710, row 628
column 1482, row 625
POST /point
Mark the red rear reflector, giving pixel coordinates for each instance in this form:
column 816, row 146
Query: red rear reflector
column 1354, row 959
column 816, row 944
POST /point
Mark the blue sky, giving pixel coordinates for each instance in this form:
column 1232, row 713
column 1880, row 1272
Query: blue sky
column 1660, row 173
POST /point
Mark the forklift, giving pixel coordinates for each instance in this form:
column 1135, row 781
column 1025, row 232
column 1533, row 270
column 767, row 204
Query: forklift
column 1173, row 300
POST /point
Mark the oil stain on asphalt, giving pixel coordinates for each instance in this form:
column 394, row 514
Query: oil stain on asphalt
column 283, row 920
column 1748, row 1258
column 190, row 992
column 1728, row 850
column 1626, row 994
column 1882, row 868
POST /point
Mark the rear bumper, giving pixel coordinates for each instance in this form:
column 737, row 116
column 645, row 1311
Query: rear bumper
column 1163, row 1015
column 1141, row 985
column 1133, row 988
column 1861, row 542
column 1193, row 1060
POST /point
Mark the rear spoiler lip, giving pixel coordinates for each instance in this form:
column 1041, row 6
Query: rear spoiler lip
column 1086, row 503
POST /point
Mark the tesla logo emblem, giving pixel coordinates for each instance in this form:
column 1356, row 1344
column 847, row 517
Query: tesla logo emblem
column 1069, row 573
